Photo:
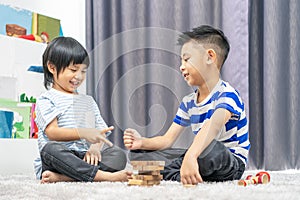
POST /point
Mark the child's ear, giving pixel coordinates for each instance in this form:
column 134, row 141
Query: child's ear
column 211, row 56
column 51, row 67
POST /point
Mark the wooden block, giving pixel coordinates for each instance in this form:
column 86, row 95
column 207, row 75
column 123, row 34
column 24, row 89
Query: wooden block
column 149, row 172
column 136, row 182
column 147, row 163
column 137, row 167
column 153, row 182
column 147, row 177
column 153, row 177
column 14, row 29
column 137, row 177
column 146, row 173
column 157, row 163
column 152, row 168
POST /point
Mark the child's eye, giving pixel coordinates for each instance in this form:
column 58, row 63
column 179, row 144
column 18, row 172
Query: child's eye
column 186, row 59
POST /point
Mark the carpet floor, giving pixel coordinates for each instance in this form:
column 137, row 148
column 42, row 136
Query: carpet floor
column 283, row 185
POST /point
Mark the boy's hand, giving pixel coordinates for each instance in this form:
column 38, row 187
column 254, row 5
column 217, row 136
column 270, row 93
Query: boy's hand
column 93, row 155
column 189, row 171
column 132, row 139
column 94, row 135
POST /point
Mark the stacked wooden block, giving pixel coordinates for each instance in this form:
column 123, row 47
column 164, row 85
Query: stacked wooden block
column 146, row 173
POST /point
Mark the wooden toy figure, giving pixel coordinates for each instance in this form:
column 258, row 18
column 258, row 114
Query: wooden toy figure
column 262, row 177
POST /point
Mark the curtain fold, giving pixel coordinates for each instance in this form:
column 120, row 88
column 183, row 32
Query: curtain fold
column 256, row 95
column 273, row 78
column 135, row 76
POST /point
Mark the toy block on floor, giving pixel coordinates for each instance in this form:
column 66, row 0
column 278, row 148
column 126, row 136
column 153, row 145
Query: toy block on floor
column 146, row 173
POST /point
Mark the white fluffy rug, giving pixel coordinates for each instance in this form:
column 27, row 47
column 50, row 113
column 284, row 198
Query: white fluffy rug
column 283, row 185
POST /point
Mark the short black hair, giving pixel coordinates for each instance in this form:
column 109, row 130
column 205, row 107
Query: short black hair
column 208, row 36
column 61, row 52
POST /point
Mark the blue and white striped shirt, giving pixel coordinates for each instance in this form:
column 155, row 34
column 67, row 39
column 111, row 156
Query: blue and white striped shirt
column 234, row 134
column 71, row 111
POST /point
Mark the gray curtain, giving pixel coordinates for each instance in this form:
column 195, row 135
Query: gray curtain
column 134, row 75
column 274, row 77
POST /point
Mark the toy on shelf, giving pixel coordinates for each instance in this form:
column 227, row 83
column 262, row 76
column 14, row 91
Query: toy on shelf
column 262, row 177
column 146, row 173
column 43, row 38
column 33, row 132
column 21, row 118
column 37, row 69
column 33, row 127
column 24, row 98
column 15, row 30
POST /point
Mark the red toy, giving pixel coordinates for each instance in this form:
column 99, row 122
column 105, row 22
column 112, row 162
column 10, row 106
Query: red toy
column 262, row 177
column 44, row 38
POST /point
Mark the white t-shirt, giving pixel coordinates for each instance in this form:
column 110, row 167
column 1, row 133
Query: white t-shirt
column 71, row 111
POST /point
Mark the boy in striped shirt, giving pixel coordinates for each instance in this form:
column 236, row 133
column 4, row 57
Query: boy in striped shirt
column 215, row 112
column 72, row 132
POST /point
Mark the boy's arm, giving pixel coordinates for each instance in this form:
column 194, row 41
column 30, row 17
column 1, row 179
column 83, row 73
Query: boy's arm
column 70, row 134
column 133, row 140
column 189, row 171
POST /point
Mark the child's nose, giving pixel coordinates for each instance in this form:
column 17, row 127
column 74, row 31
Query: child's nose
column 78, row 75
column 182, row 67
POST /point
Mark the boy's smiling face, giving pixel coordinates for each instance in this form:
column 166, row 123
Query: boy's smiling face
column 193, row 63
column 69, row 79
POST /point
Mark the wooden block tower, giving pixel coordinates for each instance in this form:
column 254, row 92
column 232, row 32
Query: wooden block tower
column 146, row 173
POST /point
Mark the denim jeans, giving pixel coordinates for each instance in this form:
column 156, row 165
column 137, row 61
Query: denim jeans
column 216, row 162
column 58, row 158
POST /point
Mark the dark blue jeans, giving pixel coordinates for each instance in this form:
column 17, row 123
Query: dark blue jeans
column 216, row 162
column 58, row 158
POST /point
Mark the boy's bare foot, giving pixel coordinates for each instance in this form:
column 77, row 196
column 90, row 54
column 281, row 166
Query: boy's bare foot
column 52, row 177
column 115, row 176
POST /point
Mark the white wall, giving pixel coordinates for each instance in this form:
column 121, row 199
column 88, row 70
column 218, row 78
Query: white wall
column 17, row 155
column 16, row 56
column 71, row 14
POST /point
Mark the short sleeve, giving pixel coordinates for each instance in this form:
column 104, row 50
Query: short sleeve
column 182, row 117
column 231, row 102
column 46, row 111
